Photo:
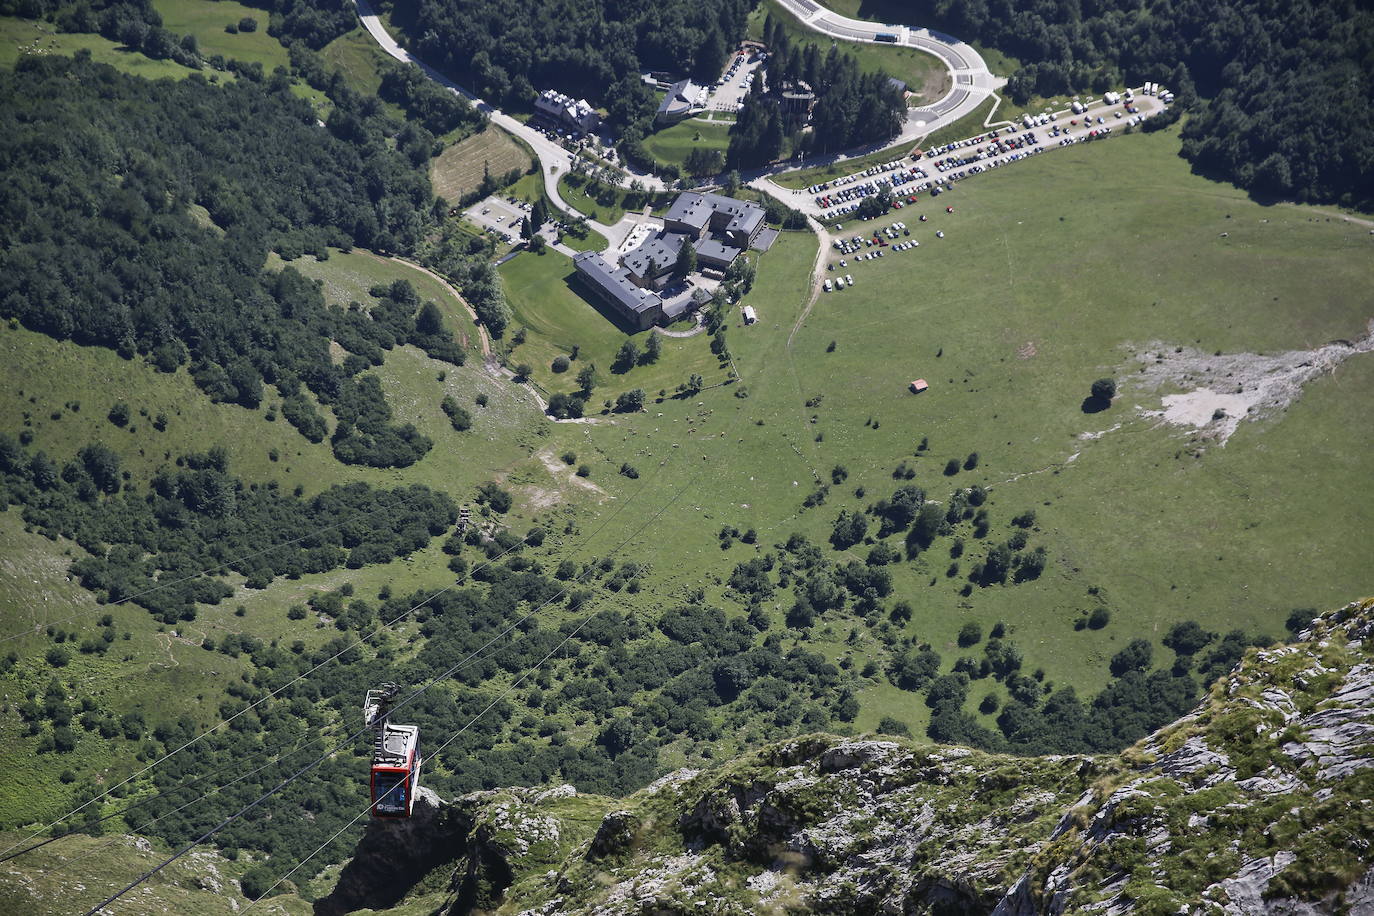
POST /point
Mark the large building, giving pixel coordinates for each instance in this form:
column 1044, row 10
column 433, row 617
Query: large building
column 682, row 98
column 718, row 229
column 575, row 113
column 639, row 308
column 739, row 221
column 651, row 263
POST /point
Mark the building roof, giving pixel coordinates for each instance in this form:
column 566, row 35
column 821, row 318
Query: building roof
column 896, row 84
column 682, row 97
column 919, row 385
column 716, row 251
column 615, row 282
column 574, row 111
column 746, row 221
column 662, row 250
column 695, row 210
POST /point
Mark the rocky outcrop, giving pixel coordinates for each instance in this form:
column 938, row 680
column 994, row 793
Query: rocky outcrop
column 1257, row 802
column 395, row 854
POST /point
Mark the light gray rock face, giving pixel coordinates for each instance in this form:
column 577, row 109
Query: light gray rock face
column 1272, row 735
column 1185, row 822
column 1337, row 737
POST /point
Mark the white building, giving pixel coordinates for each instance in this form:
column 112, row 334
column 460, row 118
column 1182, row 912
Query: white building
column 575, row 113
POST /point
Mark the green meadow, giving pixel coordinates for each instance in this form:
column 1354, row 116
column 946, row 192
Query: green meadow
column 1052, row 272
column 672, row 144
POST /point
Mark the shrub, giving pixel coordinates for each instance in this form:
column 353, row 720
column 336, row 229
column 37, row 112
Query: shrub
column 1099, row 618
column 890, row 726
column 560, row 364
column 248, row 24
column 570, row 457
column 1137, row 656
column 970, row 634
column 119, row 414
column 583, row 471
column 952, row 467
column 628, row 470
column 1103, row 390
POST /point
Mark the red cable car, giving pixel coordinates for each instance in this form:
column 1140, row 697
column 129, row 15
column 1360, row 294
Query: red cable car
column 395, row 756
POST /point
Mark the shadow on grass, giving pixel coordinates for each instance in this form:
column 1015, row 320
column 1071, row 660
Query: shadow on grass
column 1094, row 405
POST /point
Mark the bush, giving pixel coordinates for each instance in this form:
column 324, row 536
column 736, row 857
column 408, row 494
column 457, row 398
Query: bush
column 628, row 470
column 119, row 414
column 970, row 634
column 890, row 726
column 630, row 401
column 570, row 458
column 583, row 471
column 248, row 24
column 1099, row 618
column 952, row 467
column 1137, row 656
column 560, row 364
column 1103, row 390
column 58, row 657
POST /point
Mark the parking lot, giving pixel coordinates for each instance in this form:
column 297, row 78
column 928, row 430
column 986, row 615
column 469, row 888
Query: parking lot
column 499, row 215
column 728, row 94
column 931, row 171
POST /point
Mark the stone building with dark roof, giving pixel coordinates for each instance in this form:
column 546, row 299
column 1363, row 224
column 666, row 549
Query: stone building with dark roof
column 693, row 214
column 638, row 308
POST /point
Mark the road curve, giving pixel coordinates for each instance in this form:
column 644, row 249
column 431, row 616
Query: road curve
column 972, row 81
column 554, row 160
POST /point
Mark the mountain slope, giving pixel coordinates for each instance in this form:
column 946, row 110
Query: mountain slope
column 1257, row 801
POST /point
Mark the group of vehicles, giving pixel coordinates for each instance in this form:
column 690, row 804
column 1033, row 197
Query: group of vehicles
column 897, row 233
column 997, row 147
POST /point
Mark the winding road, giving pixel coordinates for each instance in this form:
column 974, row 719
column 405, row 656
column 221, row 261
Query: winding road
column 972, row 83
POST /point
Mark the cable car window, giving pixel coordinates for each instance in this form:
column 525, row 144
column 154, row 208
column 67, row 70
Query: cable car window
column 389, row 793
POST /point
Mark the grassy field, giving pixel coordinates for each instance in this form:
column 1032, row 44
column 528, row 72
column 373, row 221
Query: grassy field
column 1052, row 271
column 356, row 55
column 28, row 36
column 966, row 126
column 925, row 74
column 347, row 277
column 543, row 294
column 577, row 197
column 672, row 144
column 1033, row 293
column 459, row 168
column 206, row 21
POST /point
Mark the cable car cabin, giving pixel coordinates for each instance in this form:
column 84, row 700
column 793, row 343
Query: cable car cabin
column 395, row 770
column 395, row 756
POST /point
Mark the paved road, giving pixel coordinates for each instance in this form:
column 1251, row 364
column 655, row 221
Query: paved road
column 972, row 81
column 554, row 160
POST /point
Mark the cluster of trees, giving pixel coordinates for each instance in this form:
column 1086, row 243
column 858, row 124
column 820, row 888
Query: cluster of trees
column 1284, row 86
column 424, row 100
column 632, row 685
column 197, row 515
column 133, row 270
column 852, row 107
column 507, row 49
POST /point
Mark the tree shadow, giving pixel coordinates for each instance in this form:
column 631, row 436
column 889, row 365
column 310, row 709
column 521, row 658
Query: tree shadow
column 1094, row 405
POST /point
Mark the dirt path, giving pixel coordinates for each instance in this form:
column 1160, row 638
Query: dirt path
column 817, row 279
column 481, row 331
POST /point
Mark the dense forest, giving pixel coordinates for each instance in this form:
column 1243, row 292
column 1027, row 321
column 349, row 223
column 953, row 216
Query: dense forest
column 852, row 108
column 1284, row 87
column 508, row 50
column 101, row 244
